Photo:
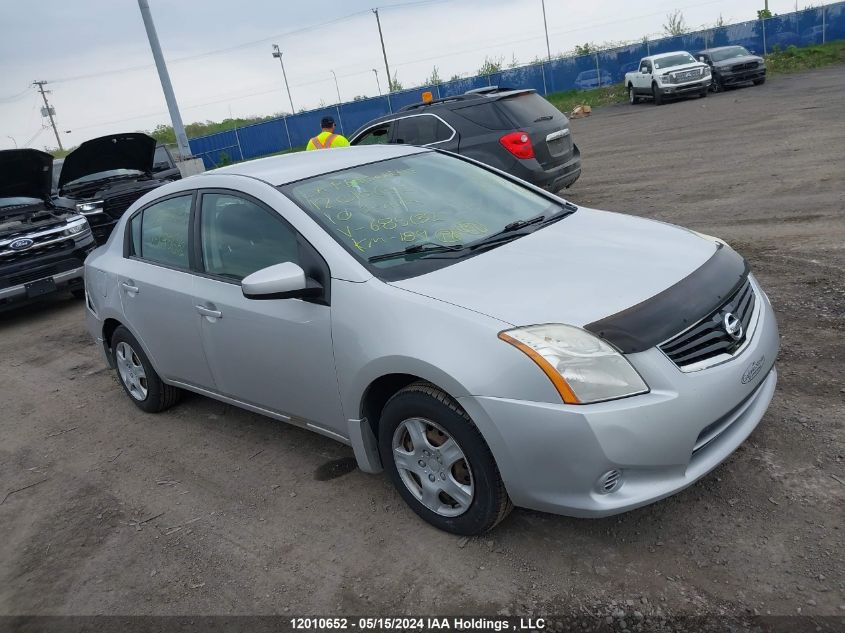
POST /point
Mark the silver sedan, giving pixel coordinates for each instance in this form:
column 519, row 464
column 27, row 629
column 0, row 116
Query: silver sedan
column 482, row 341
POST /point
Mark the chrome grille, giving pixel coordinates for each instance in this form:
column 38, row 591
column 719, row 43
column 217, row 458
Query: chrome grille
column 709, row 338
column 688, row 75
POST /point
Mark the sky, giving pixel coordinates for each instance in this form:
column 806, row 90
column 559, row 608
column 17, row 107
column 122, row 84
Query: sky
column 97, row 60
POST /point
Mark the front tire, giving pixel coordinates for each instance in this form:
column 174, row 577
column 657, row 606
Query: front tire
column 703, row 93
column 78, row 293
column 633, row 99
column 658, row 96
column 137, row 376
column 440, row 463
column 760, row 82
column 716, row 85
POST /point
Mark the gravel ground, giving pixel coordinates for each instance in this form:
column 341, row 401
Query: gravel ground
column 208, row 509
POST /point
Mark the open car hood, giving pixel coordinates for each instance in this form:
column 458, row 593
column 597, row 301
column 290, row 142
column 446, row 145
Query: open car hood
column 25, row 173
column 132, row 150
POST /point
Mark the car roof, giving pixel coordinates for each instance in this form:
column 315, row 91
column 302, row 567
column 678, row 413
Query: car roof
column 281, row 170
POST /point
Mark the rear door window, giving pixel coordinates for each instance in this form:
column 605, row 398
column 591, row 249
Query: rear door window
column 162, row 237
column 423, row 129
column 528, row 108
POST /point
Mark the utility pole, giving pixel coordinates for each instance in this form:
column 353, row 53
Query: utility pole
column 278, row 53
column 48, row 110
column 378, row 85
column 546, row 27
column 336, row 86
column 384, row 52
column 164, row 77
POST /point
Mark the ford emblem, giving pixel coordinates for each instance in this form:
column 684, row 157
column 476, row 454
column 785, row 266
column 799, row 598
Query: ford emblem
column 20, row 244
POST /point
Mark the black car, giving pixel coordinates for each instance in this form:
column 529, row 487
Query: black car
column 42, row 247
column 733, row 65
column 105, row 175
column 517, row 131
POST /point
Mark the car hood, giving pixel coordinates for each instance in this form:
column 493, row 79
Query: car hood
column 737, row 60
column 581, row 269
column 25, row 173
column 116, row 151
column 681, row 68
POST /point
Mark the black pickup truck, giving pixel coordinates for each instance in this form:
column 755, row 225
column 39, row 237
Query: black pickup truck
column 42, row 246
column 102, row 177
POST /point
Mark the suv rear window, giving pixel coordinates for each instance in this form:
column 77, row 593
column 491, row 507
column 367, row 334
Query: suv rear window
column 526, row 108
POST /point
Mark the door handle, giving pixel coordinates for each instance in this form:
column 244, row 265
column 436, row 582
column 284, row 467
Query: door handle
column 130, row 288
column 214, row 314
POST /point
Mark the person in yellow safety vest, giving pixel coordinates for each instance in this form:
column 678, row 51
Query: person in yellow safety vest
column 327, row 138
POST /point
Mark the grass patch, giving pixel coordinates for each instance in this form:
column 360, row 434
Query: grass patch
column 794, row 59
column 566, row 101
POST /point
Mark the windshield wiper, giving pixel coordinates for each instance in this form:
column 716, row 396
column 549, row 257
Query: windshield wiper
column 422, row 247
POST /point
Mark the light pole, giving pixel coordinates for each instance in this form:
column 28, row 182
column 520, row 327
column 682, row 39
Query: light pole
column 278, row 53
column 546, row 27
column 383, row 52
column 164, row 77
column 336, row 86
column 377, row 82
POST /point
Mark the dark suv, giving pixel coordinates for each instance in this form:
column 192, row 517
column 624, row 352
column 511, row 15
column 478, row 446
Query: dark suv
column 103, row 176
column 517, row 131
column 733, row 65
column 42, row 247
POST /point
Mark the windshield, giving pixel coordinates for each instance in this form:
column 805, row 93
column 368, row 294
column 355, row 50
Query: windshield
column 674, row 60
column 162, row 159
column 428, row 198
column 729, row 53
column 57, row 170
column 102, row 175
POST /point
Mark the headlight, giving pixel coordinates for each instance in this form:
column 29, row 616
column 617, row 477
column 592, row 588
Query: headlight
column 94, row 206
column 582, row 367
column 666, row 79
column 76, row 228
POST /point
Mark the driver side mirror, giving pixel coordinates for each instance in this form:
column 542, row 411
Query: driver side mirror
column 280, row 281
column 644, row 71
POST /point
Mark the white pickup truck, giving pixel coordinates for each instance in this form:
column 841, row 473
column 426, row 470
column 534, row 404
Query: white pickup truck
column 668, row 75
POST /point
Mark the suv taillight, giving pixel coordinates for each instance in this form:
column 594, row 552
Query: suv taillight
column 518, row 144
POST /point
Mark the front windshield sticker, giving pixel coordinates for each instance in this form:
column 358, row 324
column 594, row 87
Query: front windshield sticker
column 426, row 199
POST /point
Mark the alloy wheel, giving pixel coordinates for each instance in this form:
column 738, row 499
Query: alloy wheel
column 131, row 371
column 433, row 467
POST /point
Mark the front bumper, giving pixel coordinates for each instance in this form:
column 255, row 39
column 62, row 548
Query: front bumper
column 672, row 90
column 551, row 456
column 730, row 79
column 19, row 280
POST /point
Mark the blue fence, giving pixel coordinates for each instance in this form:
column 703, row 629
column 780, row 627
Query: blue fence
column 803, row 28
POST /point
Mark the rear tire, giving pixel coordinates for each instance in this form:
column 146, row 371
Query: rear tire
column 658, row 96
column 137, row 376
column 431, row 451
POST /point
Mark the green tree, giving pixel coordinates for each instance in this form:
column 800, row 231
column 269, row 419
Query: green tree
column 585, row 49
column 434, row 78
column 514, row 61
column 675, row 23
column 395, row 84
column 491, row 66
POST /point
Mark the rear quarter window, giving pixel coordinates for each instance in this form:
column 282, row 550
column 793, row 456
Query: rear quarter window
column 487, row 115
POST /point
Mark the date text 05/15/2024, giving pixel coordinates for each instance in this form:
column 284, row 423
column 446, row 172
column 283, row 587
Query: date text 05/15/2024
column 418, row 624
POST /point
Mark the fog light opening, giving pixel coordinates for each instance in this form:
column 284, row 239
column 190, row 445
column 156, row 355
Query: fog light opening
column 609, row 482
